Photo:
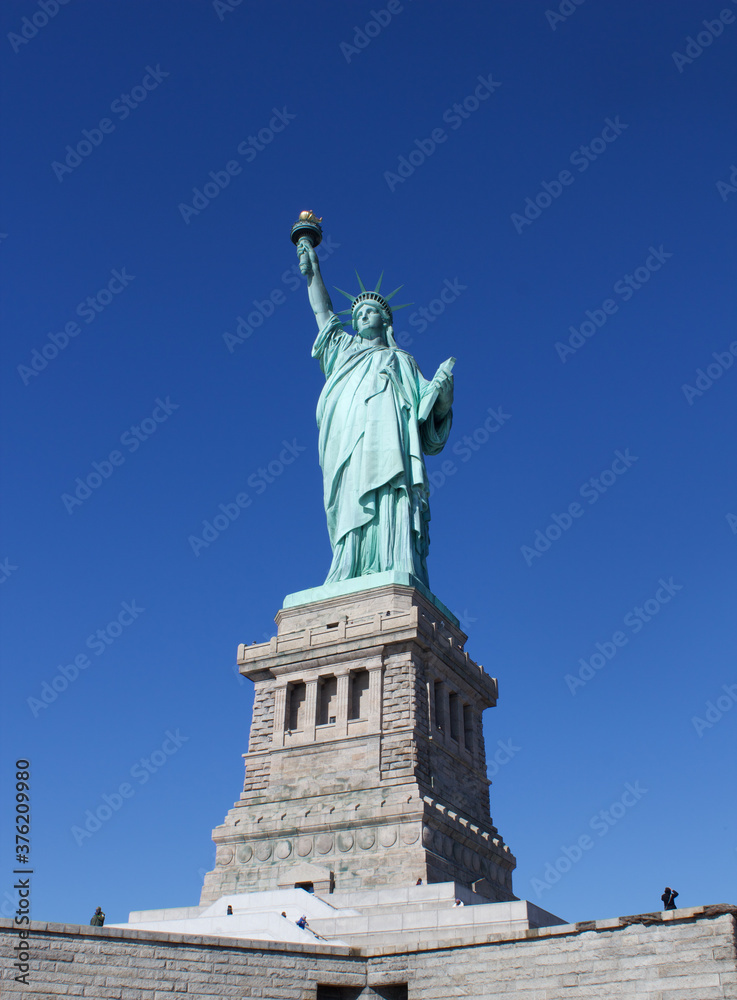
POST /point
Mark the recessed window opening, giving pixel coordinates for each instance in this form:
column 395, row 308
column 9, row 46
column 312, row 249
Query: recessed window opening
column 453, row 706
column 327, row 700
column 358, row 695
column 297, row 695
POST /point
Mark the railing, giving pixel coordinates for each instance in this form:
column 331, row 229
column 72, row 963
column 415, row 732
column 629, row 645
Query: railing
column 345, row 630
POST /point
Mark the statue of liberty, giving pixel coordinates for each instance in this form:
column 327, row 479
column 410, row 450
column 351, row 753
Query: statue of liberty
column 377, row 417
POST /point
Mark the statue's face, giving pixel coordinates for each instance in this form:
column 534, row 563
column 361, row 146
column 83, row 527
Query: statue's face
column 369, row 321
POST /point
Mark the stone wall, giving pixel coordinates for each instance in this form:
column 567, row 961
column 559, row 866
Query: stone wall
column 391, row 792
column 453, row 781
column 108, row 964
column 680, row 955
column 262, row 723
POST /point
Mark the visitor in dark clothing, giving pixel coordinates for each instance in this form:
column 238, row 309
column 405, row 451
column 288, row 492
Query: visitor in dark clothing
column 669, row 898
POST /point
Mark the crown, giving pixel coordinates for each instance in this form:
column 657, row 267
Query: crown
column 367, row 295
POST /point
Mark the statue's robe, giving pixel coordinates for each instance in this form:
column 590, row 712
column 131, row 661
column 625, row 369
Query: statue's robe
column 371, row 452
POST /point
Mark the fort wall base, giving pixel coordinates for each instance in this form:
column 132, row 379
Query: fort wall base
column 684, row 954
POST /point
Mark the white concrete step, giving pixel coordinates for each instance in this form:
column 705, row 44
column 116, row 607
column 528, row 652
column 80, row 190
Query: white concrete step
column 393, row 928
column 408, row 916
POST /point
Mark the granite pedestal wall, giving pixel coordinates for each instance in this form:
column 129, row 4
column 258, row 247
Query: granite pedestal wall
column 679, row 955
column 366, row 764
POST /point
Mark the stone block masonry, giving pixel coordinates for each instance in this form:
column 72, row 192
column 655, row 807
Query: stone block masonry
column 684, row 954
column 366, row 763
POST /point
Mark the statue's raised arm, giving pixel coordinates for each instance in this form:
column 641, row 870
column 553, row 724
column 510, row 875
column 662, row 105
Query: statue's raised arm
column 306, row 235
column 318, row 293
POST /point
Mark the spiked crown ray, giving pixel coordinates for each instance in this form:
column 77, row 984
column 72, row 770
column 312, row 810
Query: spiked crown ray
column 368, row 295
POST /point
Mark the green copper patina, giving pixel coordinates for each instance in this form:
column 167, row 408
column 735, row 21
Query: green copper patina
column 377, row 418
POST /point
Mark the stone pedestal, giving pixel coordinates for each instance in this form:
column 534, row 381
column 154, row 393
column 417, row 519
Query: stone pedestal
column 366, row 765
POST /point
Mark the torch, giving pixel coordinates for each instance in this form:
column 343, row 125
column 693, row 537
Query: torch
column 306, row 234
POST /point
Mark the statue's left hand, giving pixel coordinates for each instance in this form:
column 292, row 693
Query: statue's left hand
column 444, row 383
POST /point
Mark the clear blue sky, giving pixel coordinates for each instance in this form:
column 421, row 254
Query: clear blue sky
column 632, row 227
